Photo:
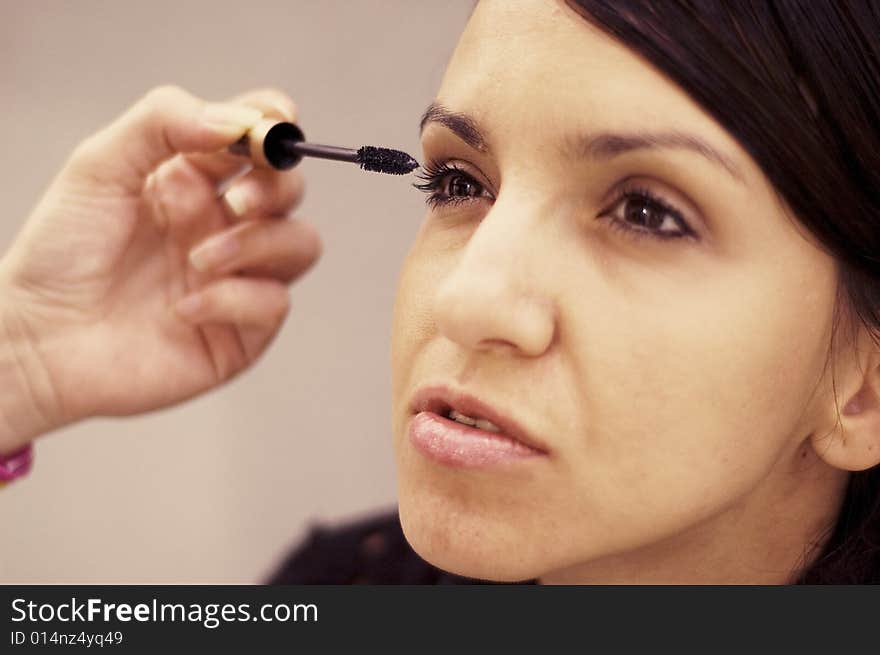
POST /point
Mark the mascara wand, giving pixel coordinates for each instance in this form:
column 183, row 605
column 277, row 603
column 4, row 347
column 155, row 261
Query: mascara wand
column 283, row 145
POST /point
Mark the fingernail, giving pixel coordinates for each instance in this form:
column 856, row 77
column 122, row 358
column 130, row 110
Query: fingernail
column 214, row 252
column 188, row 306
column 237, row 199
column 228, row 117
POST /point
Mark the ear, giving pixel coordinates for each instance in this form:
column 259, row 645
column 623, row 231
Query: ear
column 853, row 444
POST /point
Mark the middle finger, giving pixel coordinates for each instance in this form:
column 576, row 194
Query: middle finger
column 282, row 249
column 264, row 192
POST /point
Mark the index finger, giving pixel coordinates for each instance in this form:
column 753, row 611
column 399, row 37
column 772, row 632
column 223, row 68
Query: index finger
column 273, row 103
column 163, row 123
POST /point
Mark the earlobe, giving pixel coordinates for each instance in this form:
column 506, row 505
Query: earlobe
column 853, row 444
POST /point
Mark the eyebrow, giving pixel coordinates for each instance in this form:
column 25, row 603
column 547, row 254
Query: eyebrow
column 600, row 145
column 461, row 124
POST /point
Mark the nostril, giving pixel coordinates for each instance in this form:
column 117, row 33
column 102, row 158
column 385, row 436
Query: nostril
column 497, row 345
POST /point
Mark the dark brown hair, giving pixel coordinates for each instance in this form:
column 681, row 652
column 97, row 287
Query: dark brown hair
column 797, row 83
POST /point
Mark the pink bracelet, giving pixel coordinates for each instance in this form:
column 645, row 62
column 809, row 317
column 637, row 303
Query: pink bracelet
column 16, row 464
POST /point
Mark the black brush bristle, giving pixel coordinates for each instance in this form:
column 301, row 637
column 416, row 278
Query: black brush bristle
column 385, row 160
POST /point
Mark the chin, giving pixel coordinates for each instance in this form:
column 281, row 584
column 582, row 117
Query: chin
column 463, row 543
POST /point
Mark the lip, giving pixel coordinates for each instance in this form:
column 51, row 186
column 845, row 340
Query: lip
column 439, row 398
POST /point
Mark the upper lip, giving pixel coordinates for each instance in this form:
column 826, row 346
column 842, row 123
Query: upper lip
column 441, row 398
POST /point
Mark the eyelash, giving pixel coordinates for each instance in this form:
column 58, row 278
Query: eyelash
column 435, row 176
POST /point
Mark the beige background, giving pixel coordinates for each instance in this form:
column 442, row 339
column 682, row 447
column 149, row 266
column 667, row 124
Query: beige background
column 217, row 489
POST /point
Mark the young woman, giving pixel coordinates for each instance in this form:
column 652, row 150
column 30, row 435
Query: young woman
column 635, row 340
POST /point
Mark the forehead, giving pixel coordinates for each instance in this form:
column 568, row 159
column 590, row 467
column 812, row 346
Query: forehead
column 537, row 66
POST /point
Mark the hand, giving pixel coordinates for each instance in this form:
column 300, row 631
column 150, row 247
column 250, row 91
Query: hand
column 134, row 285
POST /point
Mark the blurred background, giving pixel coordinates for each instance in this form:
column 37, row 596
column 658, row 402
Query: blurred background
column 218, row 489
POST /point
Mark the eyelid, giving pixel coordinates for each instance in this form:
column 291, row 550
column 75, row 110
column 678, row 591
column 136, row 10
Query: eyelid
column 433, row 172
column 468, row 169
column 675, row 199
column 437, row 149
column 435, row 176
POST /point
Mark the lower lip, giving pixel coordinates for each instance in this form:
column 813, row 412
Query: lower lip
column 455, row 444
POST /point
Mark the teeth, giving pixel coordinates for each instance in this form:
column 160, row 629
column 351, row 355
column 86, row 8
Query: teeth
column 483, row 424
column 461, row 418
column 480, row 423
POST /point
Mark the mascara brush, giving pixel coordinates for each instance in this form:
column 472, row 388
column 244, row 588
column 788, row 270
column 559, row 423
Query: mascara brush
column 283, row 145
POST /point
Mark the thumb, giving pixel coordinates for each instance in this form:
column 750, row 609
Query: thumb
column 166, row 121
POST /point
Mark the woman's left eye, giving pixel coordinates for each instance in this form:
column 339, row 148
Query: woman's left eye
column 446, row 184
column 642, row 214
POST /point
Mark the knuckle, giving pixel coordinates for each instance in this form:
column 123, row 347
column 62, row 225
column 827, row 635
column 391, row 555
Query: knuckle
column 86, row 150
column 278, row 99
column 172, row 174
column 161, row 100
column 164, row 95
column 179, row 189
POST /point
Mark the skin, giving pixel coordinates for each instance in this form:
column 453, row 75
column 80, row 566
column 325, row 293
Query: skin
column 680, row 386
column 113, row 299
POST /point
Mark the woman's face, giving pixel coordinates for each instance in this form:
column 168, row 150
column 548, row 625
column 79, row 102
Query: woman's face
column 665, row 361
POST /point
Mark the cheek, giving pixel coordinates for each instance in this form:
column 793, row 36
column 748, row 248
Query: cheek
column 412, row 321
column 690, row 398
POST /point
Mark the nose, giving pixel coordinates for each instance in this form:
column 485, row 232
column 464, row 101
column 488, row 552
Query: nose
column 494, row 298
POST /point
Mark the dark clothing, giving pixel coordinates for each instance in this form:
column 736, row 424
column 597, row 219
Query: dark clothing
column 368, row 551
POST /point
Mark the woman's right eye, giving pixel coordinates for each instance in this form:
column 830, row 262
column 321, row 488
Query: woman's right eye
column 447, row 184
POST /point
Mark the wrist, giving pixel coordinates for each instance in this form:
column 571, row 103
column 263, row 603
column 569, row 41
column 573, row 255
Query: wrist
column 28, row 401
